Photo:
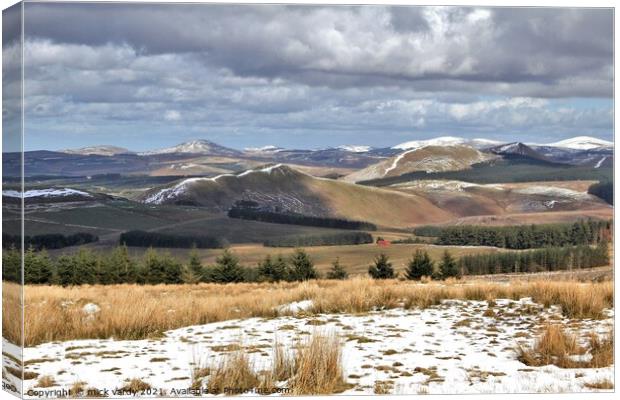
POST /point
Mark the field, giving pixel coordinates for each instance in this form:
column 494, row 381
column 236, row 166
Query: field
column 387, row 336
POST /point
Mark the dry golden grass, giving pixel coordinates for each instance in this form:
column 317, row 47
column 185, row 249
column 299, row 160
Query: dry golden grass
column 283, row 367
column 46, row 381
column 604, row 384
column 135, row 312
column 135, row 385
column 233, row 371
column 318, row 366
column 11, row 312
column 556, row 346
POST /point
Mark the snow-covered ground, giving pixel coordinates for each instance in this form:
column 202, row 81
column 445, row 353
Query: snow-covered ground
column 45, row 193
column 454, row 347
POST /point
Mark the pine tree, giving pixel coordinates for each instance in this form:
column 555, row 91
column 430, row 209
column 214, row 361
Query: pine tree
column 154, row 268
column 337, row 271
column 227, row 268
column 382, row 268
column 11, row 265
column 448, row 267
column 86, row 267
column 37, row 267
column 302, row 268
column 421, row 265
column 193, row 271
column 66, row 269
column 266, row 269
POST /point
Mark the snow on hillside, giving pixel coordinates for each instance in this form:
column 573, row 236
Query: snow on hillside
column 452, row 347
column 446, row 141
column 103, row 150
column 46, row 193
column 264, row 149
column 182, row 187
column 582, row 143
column 192, row 147
column 355, row 148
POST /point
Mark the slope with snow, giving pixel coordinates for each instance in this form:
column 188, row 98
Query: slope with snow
column 447, row 141
column 355, row 148
column 426, row 158
column 103, row 150
column 46, row 193
column 583, row 143
column 201, row 146
column 281, row 188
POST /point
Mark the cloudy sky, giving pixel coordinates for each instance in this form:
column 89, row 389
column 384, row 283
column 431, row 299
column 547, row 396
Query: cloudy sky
column 146, row 76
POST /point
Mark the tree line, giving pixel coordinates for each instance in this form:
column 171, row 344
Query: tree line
column 539, row 260
column 117, row 266
column 603, row 190
column 139, row 238
column 326, row 239
column 521, row 236
column 48, row 241
column 256, row 214
column 505, row 171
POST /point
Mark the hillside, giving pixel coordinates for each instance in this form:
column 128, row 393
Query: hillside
column 428, row 159
column 284, row 189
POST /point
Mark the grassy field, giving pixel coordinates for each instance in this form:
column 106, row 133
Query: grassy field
column 355, row 258
column 136, row 312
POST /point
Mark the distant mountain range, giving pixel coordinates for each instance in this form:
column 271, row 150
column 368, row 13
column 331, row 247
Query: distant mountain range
column 206, row 147
column 206, row 158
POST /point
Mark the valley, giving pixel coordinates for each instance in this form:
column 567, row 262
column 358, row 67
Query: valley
column 353, row 208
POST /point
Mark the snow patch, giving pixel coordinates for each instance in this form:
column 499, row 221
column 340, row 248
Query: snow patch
column 583, row 143
column 45, row 193
column 355, row 148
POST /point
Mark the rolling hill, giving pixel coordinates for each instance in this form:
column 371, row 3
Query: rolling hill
column 284, row 189
column 427, row 159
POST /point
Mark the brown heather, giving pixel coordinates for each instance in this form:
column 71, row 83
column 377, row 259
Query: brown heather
column 556, row 346
column 54, row 313
column 318, row 366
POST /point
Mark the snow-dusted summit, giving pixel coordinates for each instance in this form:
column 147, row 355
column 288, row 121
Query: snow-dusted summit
column 355, row 148
column 582, row 143
column 446, row 141
column 102, row 150
column 200, row 146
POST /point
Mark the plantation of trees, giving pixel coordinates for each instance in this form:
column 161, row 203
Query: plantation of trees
column 48, row 241
column 516, row 169
column 547, row 259
column 117, row 266
column 603, row 190
column 328, row 239
column 256, row 214
column 156, row 239
column 520, row 236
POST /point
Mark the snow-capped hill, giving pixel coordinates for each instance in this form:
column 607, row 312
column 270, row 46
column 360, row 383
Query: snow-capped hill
column 447, row 141
column 439, row 141
column 195, row 147
column 46, row 193
column 186, row 185
column 427, row 158
column 355, row 148
column 517, row 149
column 583, row 143
column 265, row 149
column 103, row 150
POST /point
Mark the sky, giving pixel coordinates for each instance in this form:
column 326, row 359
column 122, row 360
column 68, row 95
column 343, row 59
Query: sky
column 149, row 76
